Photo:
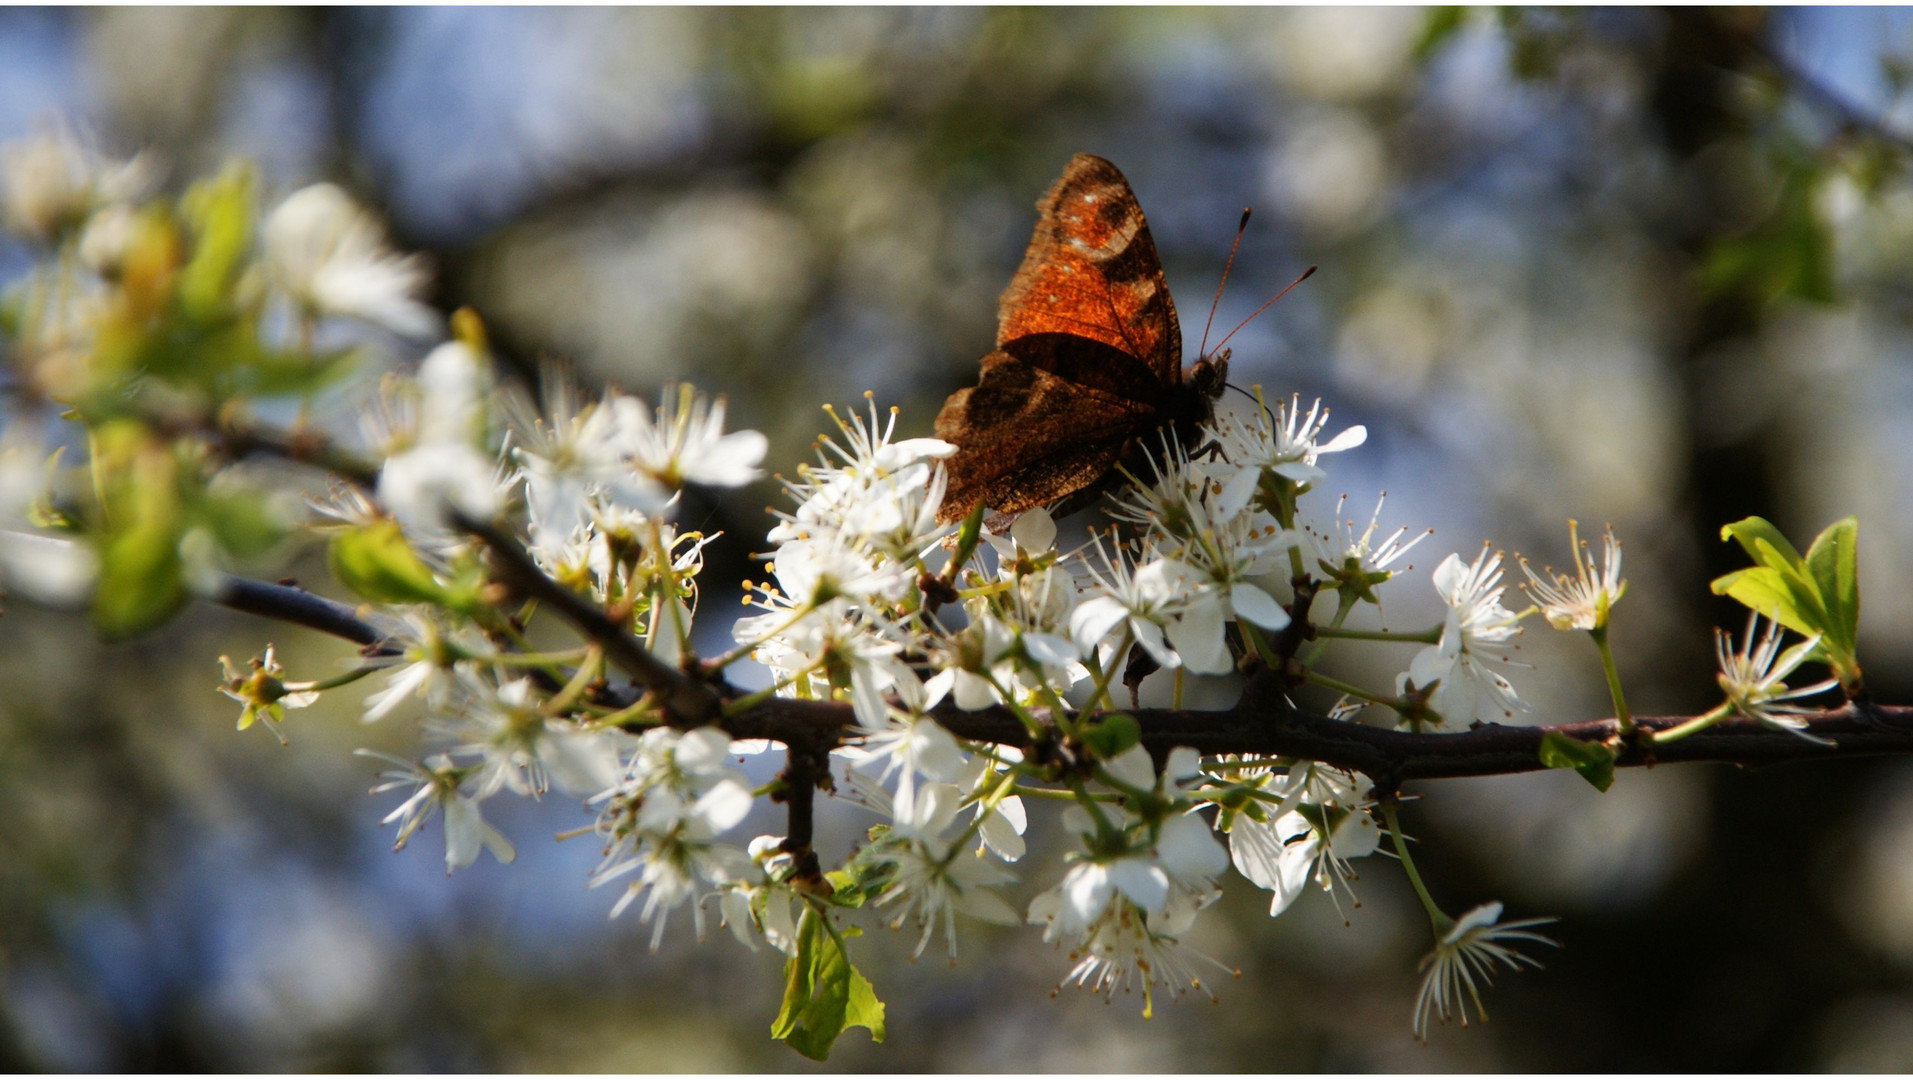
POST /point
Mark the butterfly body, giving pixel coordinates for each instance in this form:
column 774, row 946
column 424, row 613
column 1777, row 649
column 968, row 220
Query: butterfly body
column 1087, row 370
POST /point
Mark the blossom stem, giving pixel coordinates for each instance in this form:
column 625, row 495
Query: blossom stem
column 1622, row 717
column 336, row 681
column 1061, row 795
column 1176, row 699
column 1430, row 636
column 727, row 659
column 1261, row 647
column 588, row 672
column 1353, row 691
column 1009, row 701
column 1101, row 690
column 1699, row 723
column 1344, row 603
column 1436, row 917
column 757, row 697
column 536, row 659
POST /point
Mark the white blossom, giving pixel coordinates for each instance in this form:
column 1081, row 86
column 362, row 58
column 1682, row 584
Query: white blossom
column 685, row 441
column 328, row 254
column 1463, row 962
column 1472, row 634
column 1580, row 602
column 52, row 182
column 1754, row 677
column 1285, row 444
column 437, row 783
column 933, row 883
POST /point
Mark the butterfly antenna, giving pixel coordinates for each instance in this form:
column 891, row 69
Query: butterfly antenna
column 1203, row 349
column 1306, row 274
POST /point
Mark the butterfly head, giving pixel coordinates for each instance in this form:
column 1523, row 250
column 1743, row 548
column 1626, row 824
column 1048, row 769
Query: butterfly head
column 1210, row 373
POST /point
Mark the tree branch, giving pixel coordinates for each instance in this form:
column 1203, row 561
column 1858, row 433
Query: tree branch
column 289, row 603
column 1261, row 724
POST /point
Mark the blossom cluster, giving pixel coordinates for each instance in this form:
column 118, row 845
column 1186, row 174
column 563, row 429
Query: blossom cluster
column 1212, row 562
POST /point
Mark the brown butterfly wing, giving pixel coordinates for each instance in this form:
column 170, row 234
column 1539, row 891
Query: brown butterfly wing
column 1088, row 350
column 1027, row 437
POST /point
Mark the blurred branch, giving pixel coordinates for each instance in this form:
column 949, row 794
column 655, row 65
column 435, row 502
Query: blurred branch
column 289, row 603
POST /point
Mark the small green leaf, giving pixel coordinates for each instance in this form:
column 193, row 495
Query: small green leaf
column 1748, row 532
column 1112, row 735
column 823, row 994
column 1594, row 761
column 1764, row 590
column 376, row 562
column 1835, row 569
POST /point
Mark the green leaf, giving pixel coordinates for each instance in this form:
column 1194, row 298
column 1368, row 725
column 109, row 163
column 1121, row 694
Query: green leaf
column 1836, row 575
column 968, row 534
column 141, row 584
column 376, row 562
column 1749, row 532
column 1765, row 590
column 1439, row 25
column 1112, row 735
column 1594, row 761
column 823, row 994
column 240, row 522
column 219, row 212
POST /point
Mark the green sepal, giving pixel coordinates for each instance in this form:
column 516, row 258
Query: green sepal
column 967, row 536
column 376, row 562
column 1594, row 761
column 1112, row 735
column 823, row 993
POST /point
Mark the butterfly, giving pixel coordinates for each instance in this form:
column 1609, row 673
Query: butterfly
column 1087, row 369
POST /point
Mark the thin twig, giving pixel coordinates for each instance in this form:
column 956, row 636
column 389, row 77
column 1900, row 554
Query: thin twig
column 687, row 701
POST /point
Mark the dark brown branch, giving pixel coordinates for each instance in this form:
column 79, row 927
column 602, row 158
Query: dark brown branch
column 1261, row 724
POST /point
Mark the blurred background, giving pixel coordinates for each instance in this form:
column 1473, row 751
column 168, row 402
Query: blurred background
column 1646, row 268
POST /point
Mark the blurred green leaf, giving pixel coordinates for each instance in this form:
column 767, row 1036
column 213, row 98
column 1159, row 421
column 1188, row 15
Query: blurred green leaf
column 1439, row 25
column 1112, row 735
column 376, row 562
column 1790, row 254
column 218, row 213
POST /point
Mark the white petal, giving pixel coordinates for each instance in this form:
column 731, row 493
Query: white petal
column 1050, row 649
column 1188, row 849
column 1197, row 636
column 1347, row 440
column 1086, row 892
column 1258, row 607
column 1094, row 618
column 1183, row 764
column 1140, row 879
column 723, row 806
column 1035, row 531
column 987, row 906
column 1133, row 767
column 1238, row 491
column 1002, row 835
column 702, row 750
